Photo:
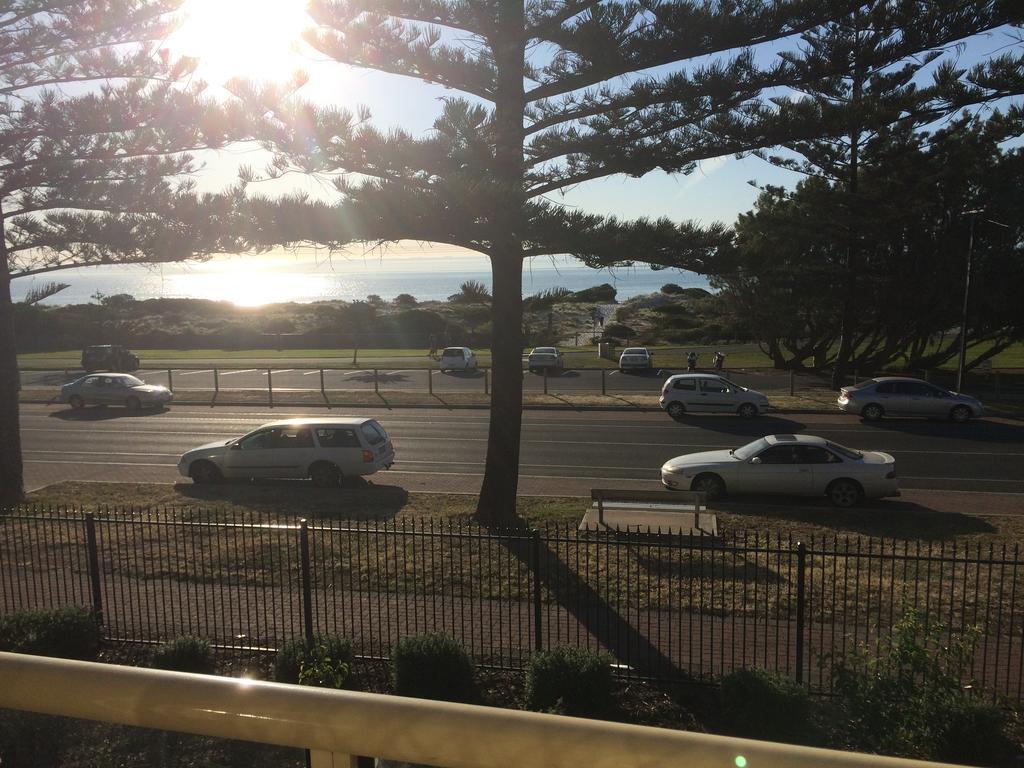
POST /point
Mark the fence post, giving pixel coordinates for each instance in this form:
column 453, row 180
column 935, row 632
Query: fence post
column 376, row 382
column 323, row 391
column 602, row 382
column 307, row 586
column 545, row 379
column 538, row 640
column 216, row 382
column 487, row 388
column 94, row 567
column 430, row 380
column 170, row 380
column 792, row 382
column 270, row 387
column 801, row 565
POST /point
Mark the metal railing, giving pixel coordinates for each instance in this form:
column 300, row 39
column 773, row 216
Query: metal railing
column 667, row 607
column 336, row 726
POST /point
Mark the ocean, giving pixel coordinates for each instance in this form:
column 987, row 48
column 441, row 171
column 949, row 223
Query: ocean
column 257, row 280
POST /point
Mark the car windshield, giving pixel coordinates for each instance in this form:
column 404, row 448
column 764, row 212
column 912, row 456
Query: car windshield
column 750, row 449
column 452, row 352
column 635, row 351
column 544, row 351
column 131, row 381
column 846, row 453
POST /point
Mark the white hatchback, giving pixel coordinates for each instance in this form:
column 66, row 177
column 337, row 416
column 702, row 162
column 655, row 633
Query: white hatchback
column 636, row 359
column 707, row 393
column 325, row 450
column 458, row 359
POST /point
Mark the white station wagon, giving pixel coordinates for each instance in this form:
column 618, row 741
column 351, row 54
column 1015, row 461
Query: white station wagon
column 458, row 359
column 635, row 359
column 707, row 393
column 325, row 450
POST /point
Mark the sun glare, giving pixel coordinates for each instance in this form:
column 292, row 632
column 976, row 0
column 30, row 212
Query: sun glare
column 257, row 39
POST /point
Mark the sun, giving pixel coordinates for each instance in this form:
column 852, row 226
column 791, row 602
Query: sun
column 253, row 39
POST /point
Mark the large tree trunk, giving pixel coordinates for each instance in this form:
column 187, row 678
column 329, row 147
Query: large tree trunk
column 12, row 481
column 497, row 503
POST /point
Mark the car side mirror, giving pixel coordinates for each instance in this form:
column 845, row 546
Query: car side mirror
column 236, row 446
column 756, row 460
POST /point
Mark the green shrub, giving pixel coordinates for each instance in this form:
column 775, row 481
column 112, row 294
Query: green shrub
column 185, row 654
column 619, row 331
column 570, row 681
column 672, row 288
column 604, row 292
column 758, row 704
column 912, row 697
column 433, row 666
column 295, row 653
column 66, row 633
column 323, row 670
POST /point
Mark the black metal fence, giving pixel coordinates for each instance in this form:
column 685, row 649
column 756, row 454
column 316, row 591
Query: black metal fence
column 665, row 607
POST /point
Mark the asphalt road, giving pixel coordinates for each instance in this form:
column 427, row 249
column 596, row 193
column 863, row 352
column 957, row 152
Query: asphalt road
column 563, row 452
column 409, row 379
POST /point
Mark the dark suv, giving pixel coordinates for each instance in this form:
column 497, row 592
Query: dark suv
column 109, row 357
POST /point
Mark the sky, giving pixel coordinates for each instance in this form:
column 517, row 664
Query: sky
column 260, row 39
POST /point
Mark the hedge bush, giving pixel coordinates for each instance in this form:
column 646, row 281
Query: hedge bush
column 322, row 669
column 295, row 653
column 67, row 633
column 433, row 666
column 570, row 681
column 185, row 654
column 758, row 704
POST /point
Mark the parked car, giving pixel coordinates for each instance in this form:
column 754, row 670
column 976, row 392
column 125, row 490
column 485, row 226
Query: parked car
column 795, row 465
column 114, row 389
column 458, row 359
column 707, row 393
column 109, row 357
column 542, row 358
column 635, row 358
column 895, row 396
column 324, row 450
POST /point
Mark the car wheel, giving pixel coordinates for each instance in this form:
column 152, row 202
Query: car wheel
column 711, row 485
column 325, row 475
column 845, row 493
column 76, row 402
column 747, row 410
column 676, row 410
column 960, row 414
column 204, row 473
column 872, row 412
column 132, row 403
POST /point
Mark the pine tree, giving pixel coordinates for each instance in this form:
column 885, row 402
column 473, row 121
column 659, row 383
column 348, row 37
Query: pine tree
column 880, row 68
column 96, row 127
column 554, row 93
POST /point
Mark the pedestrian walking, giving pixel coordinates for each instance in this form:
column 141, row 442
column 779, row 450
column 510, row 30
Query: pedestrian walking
column 433, row 345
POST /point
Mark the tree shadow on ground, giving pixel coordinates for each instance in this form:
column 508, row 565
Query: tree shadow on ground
column 358, row 499
column 476, row 373
column 104, row 413
column 880, row 519
column 367, row 377
column 609, row 626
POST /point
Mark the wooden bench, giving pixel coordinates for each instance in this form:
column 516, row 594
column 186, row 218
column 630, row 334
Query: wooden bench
column 671, row 512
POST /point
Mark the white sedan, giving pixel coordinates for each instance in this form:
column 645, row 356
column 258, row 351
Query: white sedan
column 795, row 465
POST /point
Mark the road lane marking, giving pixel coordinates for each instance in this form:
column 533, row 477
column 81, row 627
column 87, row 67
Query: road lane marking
column 243, row 370
column 310, row 373
column 100, row 463
column 193, row 373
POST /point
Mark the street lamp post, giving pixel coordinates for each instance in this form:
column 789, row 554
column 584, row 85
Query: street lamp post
column 962, row 363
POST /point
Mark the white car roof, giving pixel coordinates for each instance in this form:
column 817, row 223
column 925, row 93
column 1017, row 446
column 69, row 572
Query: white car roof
column 636, row 351
column 331, row 421
column 544, row 350
column 464, row 349
column 795, row 439
column 693, row 376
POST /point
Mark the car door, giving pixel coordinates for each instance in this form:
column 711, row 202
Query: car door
column 293, row 452
column 885, row 395
column 716, row 396
column 934, row 401
column 253, row 455
column 778, row 469
column 109, row 391
column 825, row 467
column 340, row 445
column 909, row 398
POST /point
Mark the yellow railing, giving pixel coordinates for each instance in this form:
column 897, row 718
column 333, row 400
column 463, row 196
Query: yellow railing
column 335, row 725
